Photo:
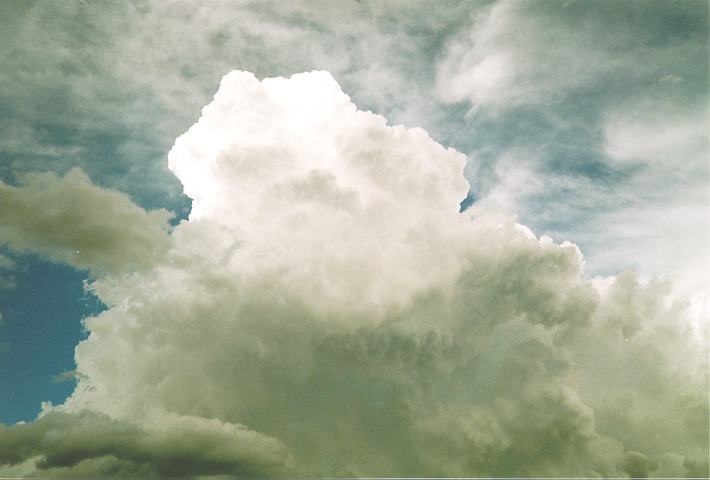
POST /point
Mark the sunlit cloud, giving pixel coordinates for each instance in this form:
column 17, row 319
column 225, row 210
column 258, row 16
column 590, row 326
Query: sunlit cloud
column 326, row 310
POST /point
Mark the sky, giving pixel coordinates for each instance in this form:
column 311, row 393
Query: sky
column 367, row 238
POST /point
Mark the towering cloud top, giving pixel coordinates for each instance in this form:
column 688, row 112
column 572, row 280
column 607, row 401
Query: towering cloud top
column 325, row 193
column 326, row 311
column 303, row 141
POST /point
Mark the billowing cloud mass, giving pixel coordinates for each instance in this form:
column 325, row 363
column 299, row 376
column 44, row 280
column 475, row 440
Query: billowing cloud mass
column 326, row 310
column 71, row 220
column 543, row 79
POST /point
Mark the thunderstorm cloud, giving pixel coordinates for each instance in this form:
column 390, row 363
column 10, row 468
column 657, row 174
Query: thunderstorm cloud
column 326, row 310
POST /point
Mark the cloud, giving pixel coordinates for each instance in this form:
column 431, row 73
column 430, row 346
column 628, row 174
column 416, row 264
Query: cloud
column 666, row 143
column 656, row 133
column 326, row 311
column 498, row 64
column 524, row 53
column 124, row 79
column 73, row 221
column 598, row 108
column 7, row 267
column 93, row 444
column 134, row 75
column 6, row 263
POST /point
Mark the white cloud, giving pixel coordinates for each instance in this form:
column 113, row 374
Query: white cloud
column 619, row 94
column 665, row 228
column 327, row 311
column 519, row 53
column 514, row 56
column 515, row 181
column 653, row 134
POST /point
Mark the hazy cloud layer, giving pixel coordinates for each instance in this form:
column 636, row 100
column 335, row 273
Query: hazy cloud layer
column 519, row 53
column 71, row 220
column 327, row 311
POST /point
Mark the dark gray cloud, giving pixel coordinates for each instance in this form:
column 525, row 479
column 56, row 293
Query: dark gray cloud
column 94, row 444
column 73, row 221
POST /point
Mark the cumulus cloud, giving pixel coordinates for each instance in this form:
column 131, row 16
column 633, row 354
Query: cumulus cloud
column 327, row 311
column 93, row 444
column 146, row 73
column 71, row 220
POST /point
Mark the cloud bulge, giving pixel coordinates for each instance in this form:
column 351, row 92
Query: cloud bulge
column 326, row 310
column 73, row 221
